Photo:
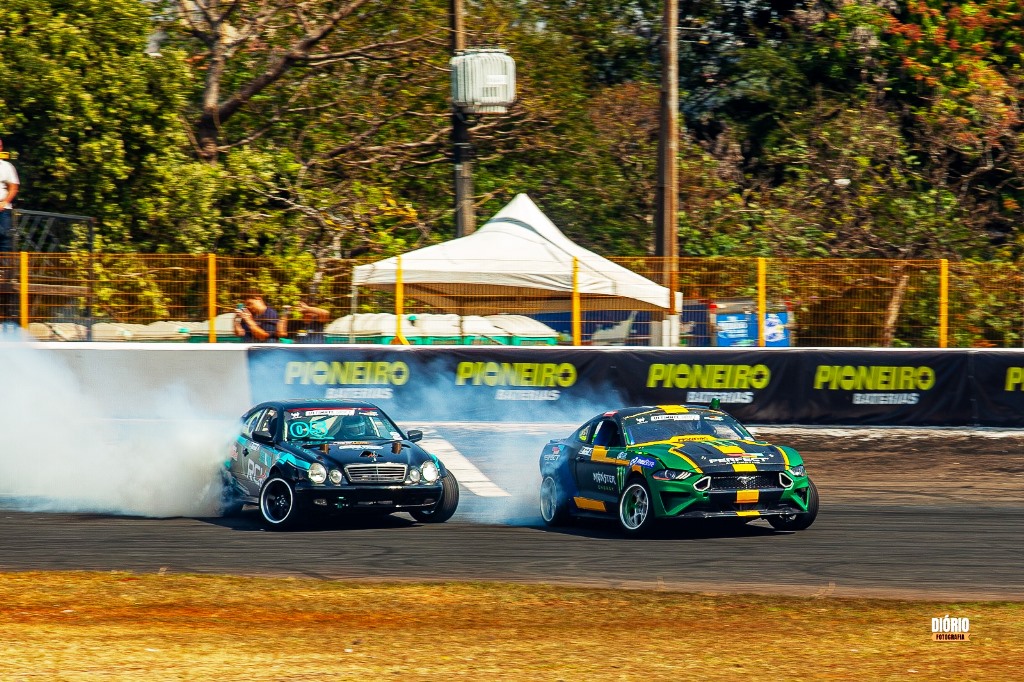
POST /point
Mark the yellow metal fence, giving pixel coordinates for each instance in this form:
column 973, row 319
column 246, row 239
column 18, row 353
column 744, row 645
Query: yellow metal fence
column 826, row 302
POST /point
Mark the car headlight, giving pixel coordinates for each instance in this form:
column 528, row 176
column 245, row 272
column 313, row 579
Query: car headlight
column 317, row 472
column 414, row 475
column 430, row 472
column 797, row 470
column 672, row 475
column 335, row 476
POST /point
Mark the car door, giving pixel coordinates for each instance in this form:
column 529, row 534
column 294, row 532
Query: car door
column 256, row 457
column 597, row 467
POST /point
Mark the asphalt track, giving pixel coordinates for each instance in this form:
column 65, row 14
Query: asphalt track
column 943, row 551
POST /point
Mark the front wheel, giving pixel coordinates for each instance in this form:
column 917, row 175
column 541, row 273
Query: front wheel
column 277, row 504
column 445, row 507
column 552, row 507
column 636, row 514
column 799, row 521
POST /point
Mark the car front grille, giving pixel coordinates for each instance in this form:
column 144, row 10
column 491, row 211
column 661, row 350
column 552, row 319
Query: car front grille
column 744, row 481
column 375, row 473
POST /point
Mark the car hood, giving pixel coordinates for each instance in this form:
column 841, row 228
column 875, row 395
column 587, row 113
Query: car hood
column 341, row 453
column 712, row 455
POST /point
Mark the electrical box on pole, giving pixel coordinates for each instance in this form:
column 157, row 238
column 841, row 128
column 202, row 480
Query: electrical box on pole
column 483, row 82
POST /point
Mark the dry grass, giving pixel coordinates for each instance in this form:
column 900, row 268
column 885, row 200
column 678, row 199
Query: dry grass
column 123, row 626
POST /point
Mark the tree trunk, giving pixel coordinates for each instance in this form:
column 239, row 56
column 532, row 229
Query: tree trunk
column 891, row 315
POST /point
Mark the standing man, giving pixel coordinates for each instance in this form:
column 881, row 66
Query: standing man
column 9, row 184
column 255, row 321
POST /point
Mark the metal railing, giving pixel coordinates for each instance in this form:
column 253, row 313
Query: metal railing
column 721, row 301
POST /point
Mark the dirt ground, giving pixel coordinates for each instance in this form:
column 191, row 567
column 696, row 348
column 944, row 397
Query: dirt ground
column 910, row 466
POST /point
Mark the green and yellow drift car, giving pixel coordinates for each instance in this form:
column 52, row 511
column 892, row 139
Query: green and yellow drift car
column 643, row 464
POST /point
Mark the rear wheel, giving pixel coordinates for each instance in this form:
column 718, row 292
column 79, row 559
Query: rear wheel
column 445, row 507
column 799, row 521
column 553, row 509
column 277, row 504
column 636, row 513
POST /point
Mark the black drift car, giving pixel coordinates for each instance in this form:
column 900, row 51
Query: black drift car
column 293, row 458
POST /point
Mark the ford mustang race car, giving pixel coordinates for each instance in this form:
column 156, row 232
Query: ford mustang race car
column 295, row 457
column 641, row 464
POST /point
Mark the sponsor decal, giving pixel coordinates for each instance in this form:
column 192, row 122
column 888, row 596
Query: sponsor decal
column 747, row 457
column 254, row 472
column 301, row 429
column 511, row 394
column 359, row 393
column 321, row 373
column 881, row 380
column 676, row 417
column 333, row 412
column 551, row 457
column 948, row 629
column 585, row 451
column 1014, row 379
column 873, row 378
column 738, row 377
column 526, row 374
column 395, row 434
column 733, row 397
column 641, row 420
column 886, row 398
column 603, row 479
column 368, row 412
column 645, row 462
column 555, row 449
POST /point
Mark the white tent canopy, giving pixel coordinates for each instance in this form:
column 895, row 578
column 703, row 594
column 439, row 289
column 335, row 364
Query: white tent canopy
column 517, row 262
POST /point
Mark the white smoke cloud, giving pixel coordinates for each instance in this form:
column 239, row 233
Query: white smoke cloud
column 64, row 450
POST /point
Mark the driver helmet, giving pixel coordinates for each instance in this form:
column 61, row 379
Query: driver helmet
column 353, row 426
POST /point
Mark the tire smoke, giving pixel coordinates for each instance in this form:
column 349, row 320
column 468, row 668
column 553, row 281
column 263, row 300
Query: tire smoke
column 64, row 449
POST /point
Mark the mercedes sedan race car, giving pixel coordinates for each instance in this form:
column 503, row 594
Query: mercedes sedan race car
column 297, row 457
column 642, row 464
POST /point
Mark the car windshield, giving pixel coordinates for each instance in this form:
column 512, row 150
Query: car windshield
column 318, row 424
column 648, row 427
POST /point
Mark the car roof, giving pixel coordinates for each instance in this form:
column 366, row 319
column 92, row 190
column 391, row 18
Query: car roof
column 641, row 409
column 324, row 403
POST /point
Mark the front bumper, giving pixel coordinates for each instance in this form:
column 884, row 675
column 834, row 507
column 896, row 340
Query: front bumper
column 677, row 500
column 329, row 498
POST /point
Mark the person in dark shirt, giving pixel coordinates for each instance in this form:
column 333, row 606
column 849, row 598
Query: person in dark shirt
column 308, row 327
column 255, row 321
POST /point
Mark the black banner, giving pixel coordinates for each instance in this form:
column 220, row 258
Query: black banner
column 548, row 384
column 997, row 382
column 472, row 383
column 884, row 387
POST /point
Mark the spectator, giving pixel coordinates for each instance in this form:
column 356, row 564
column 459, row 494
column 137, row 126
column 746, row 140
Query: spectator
column 9, row 184
column 255, row 321
column 308, row 327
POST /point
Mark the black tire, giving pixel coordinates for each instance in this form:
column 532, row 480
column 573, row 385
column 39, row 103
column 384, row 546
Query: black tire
column 636, row 509
column 799, row 521
column 277, row 504
column 445, row 507
column 553, row 509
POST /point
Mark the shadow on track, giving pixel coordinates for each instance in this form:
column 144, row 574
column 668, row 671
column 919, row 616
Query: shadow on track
column 674, row 530
column 248, row 520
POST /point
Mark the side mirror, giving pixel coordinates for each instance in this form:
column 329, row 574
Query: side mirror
column 263, row 438
column 414, row 435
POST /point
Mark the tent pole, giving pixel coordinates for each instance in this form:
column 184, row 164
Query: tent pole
column 577, row 331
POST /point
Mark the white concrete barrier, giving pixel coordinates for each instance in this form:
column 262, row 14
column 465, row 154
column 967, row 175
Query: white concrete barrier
column 140, row 380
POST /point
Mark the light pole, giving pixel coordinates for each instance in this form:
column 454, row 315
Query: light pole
column 462, row 150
